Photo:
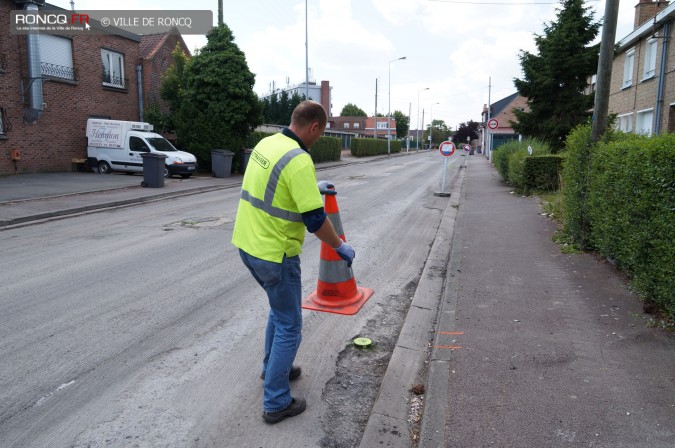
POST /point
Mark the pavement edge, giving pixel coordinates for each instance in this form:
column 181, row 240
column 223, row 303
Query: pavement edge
column 388, row 422
column 435, row 409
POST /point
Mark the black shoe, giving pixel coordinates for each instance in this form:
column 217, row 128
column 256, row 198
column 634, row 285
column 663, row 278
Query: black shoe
column 293, row 375
column 296, row 407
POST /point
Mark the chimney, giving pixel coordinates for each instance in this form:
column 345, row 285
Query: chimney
column 325, row 97
column 645, row 10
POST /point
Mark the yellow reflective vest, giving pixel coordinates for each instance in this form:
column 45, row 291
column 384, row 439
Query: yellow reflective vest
column 279, row 185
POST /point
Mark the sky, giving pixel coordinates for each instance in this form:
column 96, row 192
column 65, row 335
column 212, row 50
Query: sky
column 455, row 48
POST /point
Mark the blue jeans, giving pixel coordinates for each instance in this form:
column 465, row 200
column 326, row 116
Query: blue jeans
column 281, row 282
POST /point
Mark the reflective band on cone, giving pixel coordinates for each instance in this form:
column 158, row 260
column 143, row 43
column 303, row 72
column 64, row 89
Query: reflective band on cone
column 336, row 290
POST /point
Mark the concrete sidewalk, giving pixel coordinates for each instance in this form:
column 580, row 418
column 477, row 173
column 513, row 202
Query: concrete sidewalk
column 535, row 348
column 30, row 198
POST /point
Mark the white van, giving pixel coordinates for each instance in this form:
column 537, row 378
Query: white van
column 114, row 145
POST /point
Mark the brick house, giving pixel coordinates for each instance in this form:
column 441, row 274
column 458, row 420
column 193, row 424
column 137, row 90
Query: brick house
column 642, row 87
column 155, row 51
column 78, row 77
column 362, row 126
column 357, row 125
column 502, row 111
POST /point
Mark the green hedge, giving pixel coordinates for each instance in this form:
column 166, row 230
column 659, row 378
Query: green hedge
column 327, row 149
column 501, row 155
column 631, row 206
column 509, row 159
column 371, row 147
column 542, row 173
column 255, row 137
column 578, row 149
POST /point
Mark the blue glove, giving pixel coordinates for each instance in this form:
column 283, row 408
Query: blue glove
column 326, row 187
column 346, row 252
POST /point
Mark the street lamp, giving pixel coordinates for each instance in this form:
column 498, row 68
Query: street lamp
column 431, row 123
column 389, row 113
column 417, row 137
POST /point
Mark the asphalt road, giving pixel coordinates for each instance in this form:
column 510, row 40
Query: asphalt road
column 140, row 327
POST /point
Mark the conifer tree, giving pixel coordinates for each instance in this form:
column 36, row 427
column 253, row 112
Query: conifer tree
column 211, row 97
column 554, row 80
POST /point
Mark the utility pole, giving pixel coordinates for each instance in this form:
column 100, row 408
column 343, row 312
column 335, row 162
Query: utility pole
column 306, row 55
column 375, row 116
column 422, row 124
column 220, row 12
column 407, row 137
column 601, row 106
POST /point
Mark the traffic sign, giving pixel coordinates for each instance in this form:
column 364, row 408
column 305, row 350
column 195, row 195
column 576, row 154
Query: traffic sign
column 466, row 147
column 529, row 150
column 447, row 148
column 493, row 124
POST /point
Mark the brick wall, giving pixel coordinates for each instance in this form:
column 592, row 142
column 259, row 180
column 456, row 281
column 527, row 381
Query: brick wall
column 506, row 116
column 58, row 136
column 154, row 67
column 642, row 94
column 646, row 10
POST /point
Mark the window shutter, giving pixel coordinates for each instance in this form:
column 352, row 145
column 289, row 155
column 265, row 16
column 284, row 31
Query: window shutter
column 56, row 56
column 56, row 50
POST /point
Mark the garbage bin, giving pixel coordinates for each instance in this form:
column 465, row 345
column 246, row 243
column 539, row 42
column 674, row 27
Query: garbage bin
column 245, row 155
column 471, row 151
column 153, row 169
column 221, row 162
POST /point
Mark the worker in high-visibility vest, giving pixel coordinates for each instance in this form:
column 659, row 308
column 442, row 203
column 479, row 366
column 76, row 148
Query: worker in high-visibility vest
column 280, row 197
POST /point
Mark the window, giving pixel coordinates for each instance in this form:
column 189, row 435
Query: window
column 624, row 122
column 56, row 54
column 628, row 69
column 113, row 69
column 650, row 60
column 137, row 144
column 357, row 125
column 671, row 119
column 4, row 122
column 592, row 86
column 381, row 125
column 345, row 125
column 644, row 122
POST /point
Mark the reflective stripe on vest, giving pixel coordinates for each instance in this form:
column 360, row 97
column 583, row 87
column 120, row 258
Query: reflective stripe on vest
column 271, row 188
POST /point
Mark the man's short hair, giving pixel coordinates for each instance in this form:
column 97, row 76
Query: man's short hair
column 307, row 113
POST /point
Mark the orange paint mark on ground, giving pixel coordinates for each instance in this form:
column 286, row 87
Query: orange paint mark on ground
column 451, row 347
column 450, row 332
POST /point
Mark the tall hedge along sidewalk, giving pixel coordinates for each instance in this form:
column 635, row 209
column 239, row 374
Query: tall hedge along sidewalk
column 327, row 149
column 631, row 209
column 362, row 147
column 538, row 172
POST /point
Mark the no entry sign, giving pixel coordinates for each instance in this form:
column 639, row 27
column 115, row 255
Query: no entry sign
column 447, row 148
column 493, row 124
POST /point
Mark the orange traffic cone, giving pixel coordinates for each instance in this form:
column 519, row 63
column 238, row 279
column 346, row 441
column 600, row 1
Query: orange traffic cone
column 336, row 291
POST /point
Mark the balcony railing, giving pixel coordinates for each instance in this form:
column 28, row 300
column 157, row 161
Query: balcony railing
column 58, row 71
column 114, row 81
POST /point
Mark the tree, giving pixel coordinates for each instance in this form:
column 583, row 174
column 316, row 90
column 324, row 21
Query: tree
column 171, row 90
column 278, row 109
column 211, row 97
column 402, row 124
column 468, row 129
column 554, row 79
column 441, row 132
column 271, row 113
column 351, row 110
